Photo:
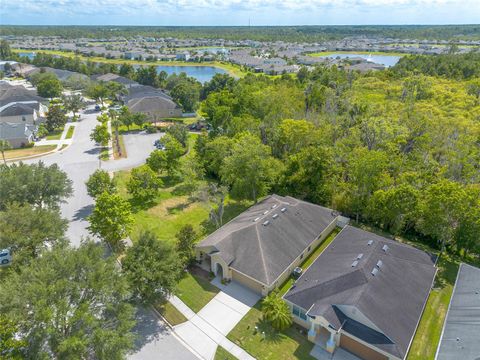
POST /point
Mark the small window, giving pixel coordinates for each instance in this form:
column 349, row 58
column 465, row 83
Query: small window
column 24, row 118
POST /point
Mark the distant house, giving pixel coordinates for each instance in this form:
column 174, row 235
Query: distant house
column 62, row 75
column 115, row 78
column 155, row 107
column 21, row 111
column 260, row 247
column 364, row 293
column 183, row 56
column 461, row 331
column 152, row 102
column 17, row 135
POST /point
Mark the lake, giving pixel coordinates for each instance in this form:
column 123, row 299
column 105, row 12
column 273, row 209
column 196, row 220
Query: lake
column 387, row 60
column 201, row 73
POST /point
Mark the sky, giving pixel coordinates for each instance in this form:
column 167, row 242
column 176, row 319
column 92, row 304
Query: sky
column 238, row 12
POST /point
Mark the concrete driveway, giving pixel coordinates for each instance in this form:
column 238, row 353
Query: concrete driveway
column 208, row 329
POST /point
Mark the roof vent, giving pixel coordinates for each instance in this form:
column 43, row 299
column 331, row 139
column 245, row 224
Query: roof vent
column 265, row 212
column 374, row 271
column 256, row 219
column 355, row 263
column 385, row 247
column 283, row 209
column 379, row 264
column 275, row 216
column 265, row 223
column 359, row 256
column 274, row 206
column 370, row 242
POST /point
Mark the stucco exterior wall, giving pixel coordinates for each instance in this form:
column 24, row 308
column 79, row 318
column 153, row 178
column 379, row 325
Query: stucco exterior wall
column 248, row 282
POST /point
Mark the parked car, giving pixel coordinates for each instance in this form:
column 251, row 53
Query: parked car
column 5, row 257
column 159, row 145
column 297, row 272
column 97, row 107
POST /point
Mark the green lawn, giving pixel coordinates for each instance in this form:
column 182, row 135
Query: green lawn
column 223, row 354
column 195, row 291
column 55, row 134
column 70, row 131
column 309, row 260
column 273, row 345
column 170, row 313
column 29, row 151
column 426, row 339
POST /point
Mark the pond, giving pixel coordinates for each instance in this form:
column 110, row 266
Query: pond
column 201, row 73
column 29, row 55
column 386, row 60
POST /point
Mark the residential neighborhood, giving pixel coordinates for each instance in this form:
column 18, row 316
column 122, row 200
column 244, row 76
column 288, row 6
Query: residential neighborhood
column 240, row 192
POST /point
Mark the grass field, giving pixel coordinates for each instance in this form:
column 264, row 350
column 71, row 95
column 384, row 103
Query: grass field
column 274, row 345
column 429, row 330
column 223, row 354
column 20, row 153
column 195, row 291
column 328, row 53
column 70, row 131
column 170, row 313
column 55, row 134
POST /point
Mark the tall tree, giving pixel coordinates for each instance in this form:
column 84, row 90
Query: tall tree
column 35, row 184
column 73, row 103
column 111, row 220
column 144, row 184
column 152, row 267
column 250, row 170
column 49, row 88
column 70, row 303
column 56, row 118
column 185, row 245
column 100, row 182
column 28, row 230
column 100, row 135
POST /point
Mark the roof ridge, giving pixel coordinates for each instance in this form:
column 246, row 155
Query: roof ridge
column 335, row 279
column 261, row 255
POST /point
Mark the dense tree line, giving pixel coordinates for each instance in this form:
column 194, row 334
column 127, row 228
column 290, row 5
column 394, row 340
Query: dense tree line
column 260, row 33
column 453, row 66
column 397, row 151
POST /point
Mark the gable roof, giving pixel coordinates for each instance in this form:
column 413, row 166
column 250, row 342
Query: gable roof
column 114, row 77
column 264, row 252
column 150, row 103
column 460, row 335
column 392, row 299
column 18, row 109
column 10, row 94
column 9, row 131
column 140, row 91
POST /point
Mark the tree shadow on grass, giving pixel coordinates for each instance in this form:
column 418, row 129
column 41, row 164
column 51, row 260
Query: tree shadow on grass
column 141, row 204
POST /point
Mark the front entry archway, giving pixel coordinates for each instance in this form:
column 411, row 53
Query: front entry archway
column 219, row 270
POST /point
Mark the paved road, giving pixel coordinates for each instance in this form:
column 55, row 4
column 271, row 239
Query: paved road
column 79, row 161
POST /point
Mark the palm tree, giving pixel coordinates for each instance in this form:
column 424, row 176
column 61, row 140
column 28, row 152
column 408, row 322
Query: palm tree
column 4, row 146
column 276, row 311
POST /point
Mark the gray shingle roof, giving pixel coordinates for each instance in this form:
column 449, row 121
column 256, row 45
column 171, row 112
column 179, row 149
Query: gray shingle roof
column 392, row 300
column 461, row 333
column 150, row 103
column 18, row 109
column 9, row 131
column 265, row 252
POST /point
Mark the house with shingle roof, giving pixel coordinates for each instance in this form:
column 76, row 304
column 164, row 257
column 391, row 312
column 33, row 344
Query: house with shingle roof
column 364, row 293
column 261, row 247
